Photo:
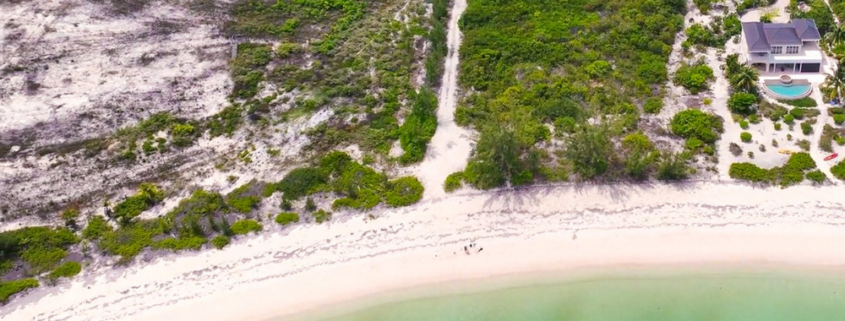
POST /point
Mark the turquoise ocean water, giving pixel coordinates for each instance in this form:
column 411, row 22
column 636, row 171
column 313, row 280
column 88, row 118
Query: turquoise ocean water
column 735, row 296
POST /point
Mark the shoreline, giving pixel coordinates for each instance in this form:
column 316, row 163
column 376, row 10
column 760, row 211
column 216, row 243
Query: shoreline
column 533, row 230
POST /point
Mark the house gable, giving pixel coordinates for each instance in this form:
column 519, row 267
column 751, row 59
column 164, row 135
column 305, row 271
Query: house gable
column 760, row 37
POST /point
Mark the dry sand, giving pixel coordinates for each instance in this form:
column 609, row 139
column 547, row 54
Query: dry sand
column 537, row 229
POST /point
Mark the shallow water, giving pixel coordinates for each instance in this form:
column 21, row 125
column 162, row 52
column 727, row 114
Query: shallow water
column 746, row 296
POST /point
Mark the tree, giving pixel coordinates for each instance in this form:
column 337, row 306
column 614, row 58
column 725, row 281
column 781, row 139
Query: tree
column 497, row 159
column 835, row 36
column 673, row 167
column 835, row 83
column 732, row 64
column 745, row 79
column 742, row 103
column 590, row 151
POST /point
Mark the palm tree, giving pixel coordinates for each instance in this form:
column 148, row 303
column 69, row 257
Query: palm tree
column 745, row 79
column 835, row 83
column 835, row 36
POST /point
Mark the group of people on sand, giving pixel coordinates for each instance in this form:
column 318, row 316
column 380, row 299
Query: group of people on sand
column 472, row 246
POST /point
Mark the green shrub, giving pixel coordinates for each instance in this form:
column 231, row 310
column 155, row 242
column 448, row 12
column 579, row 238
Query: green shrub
column 749, row 172
column 302, row 181
column 131, row 239
column 745, row 137
column 287, row 218
column 798, row 113
column 698, row 34
column 419, row 127
column 220, row 241
column 672, row 167
column 838, row 170
column 240, row 201
column 403, row 191
column 777, row 126
column 66, row 270
column 321, row 216
column 696, row 123
column 97, row 227
column 70, row 215
column 805, row 102
column 839, row 119
column 743, row 124
column 454, row 181
column 246, row 226
column 742, row 103
column 695, row 78
column 7, row 289
column 653, row 105
column 806, row 128
column 816, row 176
column 42, row 248
column 789, row 119
column 187, row 242
column 147, row 196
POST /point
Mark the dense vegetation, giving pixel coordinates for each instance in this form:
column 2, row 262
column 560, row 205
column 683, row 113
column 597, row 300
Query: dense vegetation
column 10, row 288
column 37, row 249
column 791, row 173
column 359, row 186
column 531, row 65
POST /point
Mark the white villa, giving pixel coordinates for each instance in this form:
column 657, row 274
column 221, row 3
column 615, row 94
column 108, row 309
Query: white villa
column 783, row 47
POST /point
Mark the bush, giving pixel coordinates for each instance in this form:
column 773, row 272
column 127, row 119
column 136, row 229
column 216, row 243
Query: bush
column 743, row 124
column 735, row 149
column 672, row 167
column 240, row 201
column 777, row 126
column 816, row 176
column 804, row 144
column 147, row 196
column 789, row 119
column 7, row 289
column 805, row 102
column 287, row 218
column 97, row 227
column 220, row 241
column 742, row 103
column 302, row 181
column 839, row 119
column 453, row 182
column 838, row 170
column 697, row 124
column 187, row 242
column 693, row 77
column 419, row 127
column 66, row 270
column 798, row 113
column 321, row 216
column 246, row 226
column 653, row 105
column 403, row 191
column 749, row 172
column 806, row 128
column 745, row 137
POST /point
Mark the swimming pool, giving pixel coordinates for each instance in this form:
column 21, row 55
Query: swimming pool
column 797, row 89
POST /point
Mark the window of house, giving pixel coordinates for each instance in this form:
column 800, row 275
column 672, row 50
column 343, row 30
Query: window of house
column 791, row 50
column 777, row 50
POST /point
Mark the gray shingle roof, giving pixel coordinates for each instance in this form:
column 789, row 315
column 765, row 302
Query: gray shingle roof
column 806, row 29
column 761, row 36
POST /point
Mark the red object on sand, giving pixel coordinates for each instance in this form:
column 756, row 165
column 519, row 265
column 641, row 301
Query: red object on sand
column 831, row 157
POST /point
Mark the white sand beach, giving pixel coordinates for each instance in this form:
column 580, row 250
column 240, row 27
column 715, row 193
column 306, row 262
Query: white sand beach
column 538, row 229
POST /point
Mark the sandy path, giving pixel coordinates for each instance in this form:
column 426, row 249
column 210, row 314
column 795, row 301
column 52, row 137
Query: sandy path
column 561, row 227
column 451, row 145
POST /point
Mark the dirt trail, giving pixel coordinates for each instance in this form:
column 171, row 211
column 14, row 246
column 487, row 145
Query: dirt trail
column 451, row 145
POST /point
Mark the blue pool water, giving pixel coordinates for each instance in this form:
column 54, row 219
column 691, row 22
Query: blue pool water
column 789, row 91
